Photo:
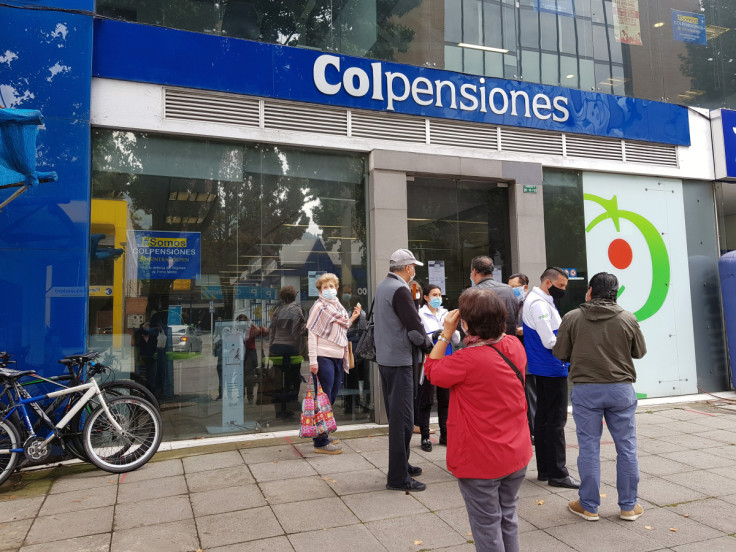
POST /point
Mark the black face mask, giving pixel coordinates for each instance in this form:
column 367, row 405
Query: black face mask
column 556, row 292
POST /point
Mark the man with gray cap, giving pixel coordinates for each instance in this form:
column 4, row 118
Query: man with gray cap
column 399, row 337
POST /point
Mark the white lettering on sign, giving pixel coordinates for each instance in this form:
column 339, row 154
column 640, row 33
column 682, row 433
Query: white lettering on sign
column 330, row 79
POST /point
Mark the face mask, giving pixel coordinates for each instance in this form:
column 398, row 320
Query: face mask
column 346, row 297
column 435, row 302
column 556, row 292
column 519, row 293
column 472, row 282
column 329, row 294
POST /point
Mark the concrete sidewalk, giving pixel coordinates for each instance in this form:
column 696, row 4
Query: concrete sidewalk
column 277, row 495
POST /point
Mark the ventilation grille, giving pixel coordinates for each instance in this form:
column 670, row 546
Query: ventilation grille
column 194, row 105
column 463, row 135
column 366, row 124
column 651, row 154
column 305, row 118
column 529, row 141
column 593, row 148
column 234, row 109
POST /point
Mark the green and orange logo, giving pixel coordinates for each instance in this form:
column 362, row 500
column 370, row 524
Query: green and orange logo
column 621, row 255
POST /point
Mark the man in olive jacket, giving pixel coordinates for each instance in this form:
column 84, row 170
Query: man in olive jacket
column 600, row 340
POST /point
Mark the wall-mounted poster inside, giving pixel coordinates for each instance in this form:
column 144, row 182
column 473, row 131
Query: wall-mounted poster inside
column 626, row 21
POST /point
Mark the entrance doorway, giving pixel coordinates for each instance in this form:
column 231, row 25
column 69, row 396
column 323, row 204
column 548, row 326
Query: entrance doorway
column 452, row 220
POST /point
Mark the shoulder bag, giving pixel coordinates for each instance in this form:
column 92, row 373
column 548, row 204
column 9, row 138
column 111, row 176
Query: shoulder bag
column 366, row 347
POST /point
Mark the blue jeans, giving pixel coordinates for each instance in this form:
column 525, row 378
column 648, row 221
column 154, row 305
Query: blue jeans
column 330, row 378
column 616, row 402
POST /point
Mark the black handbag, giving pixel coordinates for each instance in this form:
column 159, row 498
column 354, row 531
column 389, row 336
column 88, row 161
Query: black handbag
column 366, row 347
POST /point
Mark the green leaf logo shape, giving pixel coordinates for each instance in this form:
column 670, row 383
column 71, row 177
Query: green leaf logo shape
column 657, row 251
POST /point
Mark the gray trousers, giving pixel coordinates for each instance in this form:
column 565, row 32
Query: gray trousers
column 491, row 505
column 397, row 384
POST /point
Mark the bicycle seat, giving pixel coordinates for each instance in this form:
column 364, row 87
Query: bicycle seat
column 80, row 358
column 15, row 374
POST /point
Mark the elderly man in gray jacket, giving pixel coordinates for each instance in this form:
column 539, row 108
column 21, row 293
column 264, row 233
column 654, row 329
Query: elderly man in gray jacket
column 399, row 337
column 481, row 274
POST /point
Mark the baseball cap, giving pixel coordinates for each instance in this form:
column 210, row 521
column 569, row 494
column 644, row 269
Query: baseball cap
column 402, row 257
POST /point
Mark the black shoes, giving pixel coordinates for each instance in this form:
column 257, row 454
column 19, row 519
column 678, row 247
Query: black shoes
column 568, row 482
column 443, row 440
column 426, row 445
column 542, row 477
column 412, row 485
column 414, row 471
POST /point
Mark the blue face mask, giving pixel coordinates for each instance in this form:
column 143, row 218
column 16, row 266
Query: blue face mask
column 519, row 292
column 472, row 282
column 435, row 302
column 329, row 294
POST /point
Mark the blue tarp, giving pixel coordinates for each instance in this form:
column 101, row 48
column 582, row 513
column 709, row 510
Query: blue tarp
column 18, row 131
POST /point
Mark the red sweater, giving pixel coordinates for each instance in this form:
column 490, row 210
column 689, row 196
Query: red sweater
column 487, row 431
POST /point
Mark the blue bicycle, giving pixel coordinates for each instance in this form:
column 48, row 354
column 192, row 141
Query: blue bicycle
column 119, row 435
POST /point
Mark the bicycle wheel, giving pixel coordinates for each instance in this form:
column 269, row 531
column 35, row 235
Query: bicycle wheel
column 9, row 439
column 118, row 452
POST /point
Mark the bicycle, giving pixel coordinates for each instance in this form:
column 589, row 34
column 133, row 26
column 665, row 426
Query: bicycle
column 120, row 435
column 83, row 367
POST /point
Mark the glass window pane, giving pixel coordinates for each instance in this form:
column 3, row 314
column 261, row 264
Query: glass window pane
column 569, row 76
column 453, row 21
column 550, row 69
column 472, row 21
column 494, row 64
column 600, row 43
column 584, row 37
column 454, row 58
column 210, row 234
column 568, row 40
column 530, row 70
column 473, row 61
column 587, row 74
column 509, row 29
column 548, row 31
column 492, row 33
column 510, row 67
column 603, row 81
column 529, row 28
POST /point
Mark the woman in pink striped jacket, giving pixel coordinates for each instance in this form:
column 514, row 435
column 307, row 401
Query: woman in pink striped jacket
column 327, row 326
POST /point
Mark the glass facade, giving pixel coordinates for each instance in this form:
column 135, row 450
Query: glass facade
column 450, row 222
column 650, row 49
column 193, row 242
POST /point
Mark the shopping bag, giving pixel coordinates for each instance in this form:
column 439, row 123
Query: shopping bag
column 308, row 427
column 326, row 421
column 366, row 347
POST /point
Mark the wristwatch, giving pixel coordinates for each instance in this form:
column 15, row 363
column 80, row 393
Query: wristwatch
column 442, row 338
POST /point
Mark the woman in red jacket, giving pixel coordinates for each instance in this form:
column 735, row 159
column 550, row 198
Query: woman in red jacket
column 488, row 446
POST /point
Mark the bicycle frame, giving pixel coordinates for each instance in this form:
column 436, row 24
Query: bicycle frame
column 91, row 389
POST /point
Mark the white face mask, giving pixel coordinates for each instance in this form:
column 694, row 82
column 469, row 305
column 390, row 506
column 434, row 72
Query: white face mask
column 329, row 294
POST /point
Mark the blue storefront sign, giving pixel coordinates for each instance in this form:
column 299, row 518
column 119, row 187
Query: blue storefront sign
column 180, row 58
column 724, row 144
column 164, row 255
column 688, row 27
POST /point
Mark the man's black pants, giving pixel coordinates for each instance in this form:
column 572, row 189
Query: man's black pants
column 549, row 426
column 397, row 383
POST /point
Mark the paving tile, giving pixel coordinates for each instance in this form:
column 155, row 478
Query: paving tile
column 731, row 499
column 432, row 473
column 298, row 489
column 235, row 527
column 688, row 427
column 700, row 459
column 67, row 526
column 79, row 500
column 378, row 458
column 401, row 533
column 288, row 469
column 457, row 518
column 19, row 508
column 721, row 435
column 218, row 479
column 355, row 537
column 227, row 500
column 691, row 441
column 213, row 461
column 75, row 483
column 656, row 446
column 659, row 465
column 539, row 540
column 644, row 417
column 258, row 455
column 338, row 463
column 91, row 543
column 602, row 535
column 296, row 517
column 149, row 489
column 152, row 512
column 728, row 451
column 662, row 492
column 547, row 511
column 368, row 444
column 658, row 431
column 13, row 533
column 274, row 544
column 712, row 512
column 703, row 481
column 163, row 537
column 440, row 496
column 723, row 544
column 657, row 522
column 383, row 504
column 154, row 470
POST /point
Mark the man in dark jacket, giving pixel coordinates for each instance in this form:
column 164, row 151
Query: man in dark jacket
column 481, row 274
column 399, row 335
column 600, row 340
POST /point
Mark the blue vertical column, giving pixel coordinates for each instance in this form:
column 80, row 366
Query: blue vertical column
column 45, row 64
